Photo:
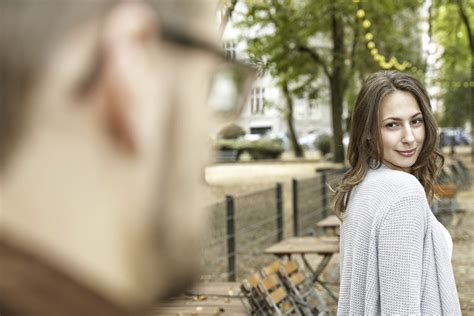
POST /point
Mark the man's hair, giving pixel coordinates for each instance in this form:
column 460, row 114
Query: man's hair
column 29, row 31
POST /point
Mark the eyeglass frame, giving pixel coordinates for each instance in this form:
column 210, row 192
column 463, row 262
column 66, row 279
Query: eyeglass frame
column 178, row 37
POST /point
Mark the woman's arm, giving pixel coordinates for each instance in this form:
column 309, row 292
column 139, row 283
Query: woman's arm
column 400, row 253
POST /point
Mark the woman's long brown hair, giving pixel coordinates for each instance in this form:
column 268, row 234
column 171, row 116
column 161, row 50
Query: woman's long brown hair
column 365, row 145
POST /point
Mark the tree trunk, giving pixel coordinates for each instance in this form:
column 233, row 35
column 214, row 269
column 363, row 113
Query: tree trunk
column 470, row 35
column 337, row 86
column 298, row 151
column 471, row 100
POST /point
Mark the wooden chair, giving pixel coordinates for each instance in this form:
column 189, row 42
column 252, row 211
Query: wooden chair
column 272, row 268
column 277, row 297
column 445, row 207
column 302, row 290
column 446, row 194
column 255, row 298
column 463, row 170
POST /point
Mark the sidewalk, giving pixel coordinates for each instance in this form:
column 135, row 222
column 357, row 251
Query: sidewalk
column 463, row 252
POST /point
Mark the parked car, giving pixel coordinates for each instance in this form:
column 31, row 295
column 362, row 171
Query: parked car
column 308, row 140
column 454, row 135
column 283, row 137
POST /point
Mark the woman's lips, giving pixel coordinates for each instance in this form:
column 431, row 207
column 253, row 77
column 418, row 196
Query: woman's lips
column 407, row 153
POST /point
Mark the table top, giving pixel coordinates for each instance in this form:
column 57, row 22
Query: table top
column 305, row 245
column 215, row 288
column 212, row 298
column 330, row 221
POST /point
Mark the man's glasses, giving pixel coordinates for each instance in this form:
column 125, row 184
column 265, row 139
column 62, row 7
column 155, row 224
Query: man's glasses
column 231, row 83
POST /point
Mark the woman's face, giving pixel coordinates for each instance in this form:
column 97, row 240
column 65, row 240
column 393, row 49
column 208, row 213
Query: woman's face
column 403, row 130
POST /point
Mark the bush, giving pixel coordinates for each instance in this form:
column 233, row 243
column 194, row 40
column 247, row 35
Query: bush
column 231, row 131
column 323, row 144
column 265, row 149
column 227, row 144
column 258, row 149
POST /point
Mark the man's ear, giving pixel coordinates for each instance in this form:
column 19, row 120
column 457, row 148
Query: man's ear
column 128, row 78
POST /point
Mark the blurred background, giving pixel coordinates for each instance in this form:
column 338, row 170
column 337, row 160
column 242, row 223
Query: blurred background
column 275, row 164
column 312, row 56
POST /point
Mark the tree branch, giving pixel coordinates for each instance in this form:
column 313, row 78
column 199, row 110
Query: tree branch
column 305, row 83
column 465, row 19
column 315, row 57
column 352, row 58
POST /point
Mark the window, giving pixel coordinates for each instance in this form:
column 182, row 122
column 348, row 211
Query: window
column 229, row 50
column 314, row 109
column 262, row 130
column 257, row 101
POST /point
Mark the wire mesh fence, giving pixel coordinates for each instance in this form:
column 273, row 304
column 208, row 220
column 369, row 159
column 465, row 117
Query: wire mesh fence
column 243, row 227
column 258, row 222
column 312, row 199
column 214, row 256
column 309, row 195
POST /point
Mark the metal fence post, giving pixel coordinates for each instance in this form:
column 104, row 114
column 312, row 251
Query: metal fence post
column 296, row 215
column 324, row 193
column 231, row 255
column 279, row 211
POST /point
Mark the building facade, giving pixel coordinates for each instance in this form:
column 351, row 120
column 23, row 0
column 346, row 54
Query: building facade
column 263, row 113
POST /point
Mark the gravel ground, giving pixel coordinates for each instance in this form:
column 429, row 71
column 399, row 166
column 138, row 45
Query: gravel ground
column 235, row 179
column 463, row 252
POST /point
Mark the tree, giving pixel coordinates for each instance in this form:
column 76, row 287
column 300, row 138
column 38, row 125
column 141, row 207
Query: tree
column 465, row 11
column 300, row 42
column 453, row 22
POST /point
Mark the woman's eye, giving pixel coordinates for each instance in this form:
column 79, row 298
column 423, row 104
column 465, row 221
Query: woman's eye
column 417, row 121
column 391, row 125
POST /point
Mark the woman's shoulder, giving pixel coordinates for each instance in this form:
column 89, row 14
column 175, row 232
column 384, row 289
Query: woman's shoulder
column 395, row 180
column 402, row 192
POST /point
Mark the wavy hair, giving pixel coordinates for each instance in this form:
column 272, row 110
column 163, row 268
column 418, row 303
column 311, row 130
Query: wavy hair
column 365, row 145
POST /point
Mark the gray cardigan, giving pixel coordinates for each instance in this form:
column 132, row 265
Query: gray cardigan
column 394, row 258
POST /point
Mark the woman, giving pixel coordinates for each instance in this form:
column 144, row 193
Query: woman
column 395, row 255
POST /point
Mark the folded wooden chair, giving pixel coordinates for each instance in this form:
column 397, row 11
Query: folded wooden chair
column 302, row 289
column 277, row 297
column 257, row 305
column 272, row 268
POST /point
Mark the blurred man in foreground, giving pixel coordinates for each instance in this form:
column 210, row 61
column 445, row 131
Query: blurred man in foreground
column 104, row 125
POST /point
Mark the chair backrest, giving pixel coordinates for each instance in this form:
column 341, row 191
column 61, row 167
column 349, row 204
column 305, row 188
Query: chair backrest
column 252, row 281
column 277, row 296
column 302, row 289
column 272, row 268
column 255, row 298
column 445, row 190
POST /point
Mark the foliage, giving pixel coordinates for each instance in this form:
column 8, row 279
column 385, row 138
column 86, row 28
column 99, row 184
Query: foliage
column 457, row 105
column 311, row 46
column 323, row 144
column 231, row 131
column 456, row 60
column 258, row 149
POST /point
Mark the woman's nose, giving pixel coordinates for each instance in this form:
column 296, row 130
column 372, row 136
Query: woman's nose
column 408, row 137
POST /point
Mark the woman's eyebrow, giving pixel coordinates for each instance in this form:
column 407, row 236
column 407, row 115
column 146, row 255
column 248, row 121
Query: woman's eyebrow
column 399, row 119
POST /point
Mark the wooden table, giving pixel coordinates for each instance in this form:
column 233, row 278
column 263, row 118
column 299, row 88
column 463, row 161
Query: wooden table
column 213, row 298
column 330, row 223
column 302, row 246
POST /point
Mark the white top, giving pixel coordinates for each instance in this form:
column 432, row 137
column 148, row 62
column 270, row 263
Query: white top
column 447, row 237
column 395, row 258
